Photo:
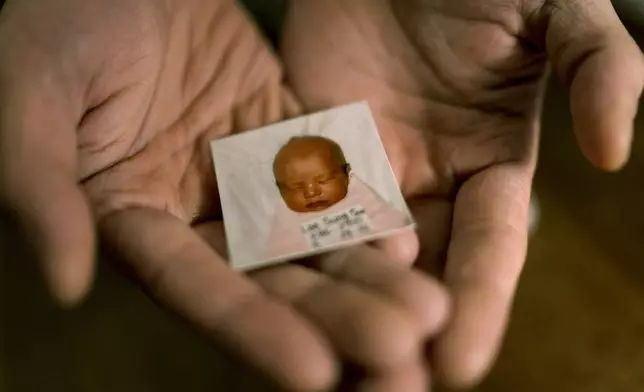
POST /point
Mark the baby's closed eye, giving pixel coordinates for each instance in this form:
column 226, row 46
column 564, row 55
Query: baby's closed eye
column 326, row 180
column 292, row 187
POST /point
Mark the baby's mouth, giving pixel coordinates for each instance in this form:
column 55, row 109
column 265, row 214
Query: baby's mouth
column 317, row 205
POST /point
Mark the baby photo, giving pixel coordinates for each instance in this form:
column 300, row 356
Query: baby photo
column 306, row 186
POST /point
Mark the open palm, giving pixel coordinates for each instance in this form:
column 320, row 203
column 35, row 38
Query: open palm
column 106, row 113
column 456, row 88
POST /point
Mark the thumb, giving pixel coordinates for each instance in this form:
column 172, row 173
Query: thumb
column 38, row 184
column 603, row 68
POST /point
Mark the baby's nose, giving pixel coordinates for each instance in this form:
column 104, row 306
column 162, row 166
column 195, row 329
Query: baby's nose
column 311, row 190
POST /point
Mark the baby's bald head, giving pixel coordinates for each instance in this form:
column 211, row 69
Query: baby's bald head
column 306, row 146
column 311, row 173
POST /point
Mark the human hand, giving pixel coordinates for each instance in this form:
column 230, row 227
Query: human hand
column 107, row 108
column 456, row 88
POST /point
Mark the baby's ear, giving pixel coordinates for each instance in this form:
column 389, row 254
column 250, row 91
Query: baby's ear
column 347, row 168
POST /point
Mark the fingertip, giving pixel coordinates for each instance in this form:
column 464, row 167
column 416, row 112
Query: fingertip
column 319, row 376
column 612, row 163
column 69, row 280
column 65, row 238
column 458, row 370
column 425, row 299
column 401, row 248
column 605, row 96
column 441, row 308
column 378, row 334
column 412, row 377
column 464, row 353
column 606, row 155
column 386, row 352
column 428, row 300
column 306, row 362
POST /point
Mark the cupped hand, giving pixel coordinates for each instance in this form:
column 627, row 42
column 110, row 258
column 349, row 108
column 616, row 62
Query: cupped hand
column 456, row 88
column 107, row 108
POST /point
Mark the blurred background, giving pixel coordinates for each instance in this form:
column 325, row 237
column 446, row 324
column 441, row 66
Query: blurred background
column 578, row 321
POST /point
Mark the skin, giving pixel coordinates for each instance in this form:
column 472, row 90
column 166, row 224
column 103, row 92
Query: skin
column 312, row 174
column 106, row 111
column 456, row 87
column 106, row 108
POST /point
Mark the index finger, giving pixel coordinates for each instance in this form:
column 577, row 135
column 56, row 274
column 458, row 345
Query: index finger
column 484, row 260
column 186, row 275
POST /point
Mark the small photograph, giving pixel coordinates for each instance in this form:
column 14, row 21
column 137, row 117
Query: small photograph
column 305, row 186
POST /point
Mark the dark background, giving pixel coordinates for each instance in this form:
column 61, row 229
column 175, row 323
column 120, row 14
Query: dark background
column 578, row 322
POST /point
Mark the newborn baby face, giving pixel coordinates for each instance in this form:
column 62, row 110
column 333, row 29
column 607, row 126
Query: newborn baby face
column 311, row 174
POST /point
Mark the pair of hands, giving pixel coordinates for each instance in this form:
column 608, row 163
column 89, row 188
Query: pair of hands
column 107, row 108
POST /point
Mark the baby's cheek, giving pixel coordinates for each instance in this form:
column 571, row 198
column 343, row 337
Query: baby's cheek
column 289, row 199
column 296, row 200
column 342, row 188
column 335, row 192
